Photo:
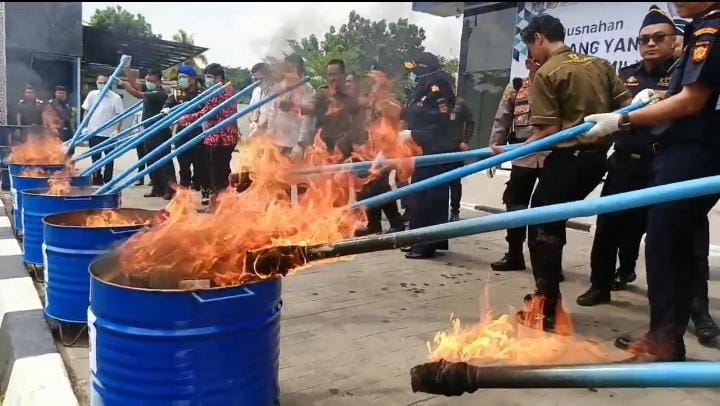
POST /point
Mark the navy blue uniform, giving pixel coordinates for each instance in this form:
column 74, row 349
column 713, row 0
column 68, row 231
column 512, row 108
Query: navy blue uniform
column 677, row 231
column 428, row 116
column 629, row 168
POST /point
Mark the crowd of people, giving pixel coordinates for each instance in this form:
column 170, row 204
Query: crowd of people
column 667, row 141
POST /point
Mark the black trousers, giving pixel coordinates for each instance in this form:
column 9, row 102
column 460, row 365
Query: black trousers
column 677, row 235
column 218, row 159
column 456, row 192
column 619, row 234
column 193, row 167
column 380, row 185
column 162, row 177
column 430, row 207
column 518, row 190
column 568, row 175
column 140, row 149
column 107, row 172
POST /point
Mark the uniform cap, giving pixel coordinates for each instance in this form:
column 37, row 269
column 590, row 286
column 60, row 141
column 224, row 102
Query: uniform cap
column 656, row 15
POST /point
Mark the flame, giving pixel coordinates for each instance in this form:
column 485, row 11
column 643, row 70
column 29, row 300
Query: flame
column 112, row 218
column 500, row 341
column 214, row 246
column 39, row 149
column 58, row 186
column 51, row 120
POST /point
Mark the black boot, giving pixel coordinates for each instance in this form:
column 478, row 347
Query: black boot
column 512, row 261
column 455, row 216
column 593, row 297
column 706, row 330
column 622, row 278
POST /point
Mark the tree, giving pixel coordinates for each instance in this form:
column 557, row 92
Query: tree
column 117, row 19
column 239, row 77
column 450, row 65
column 363, row 43
column 183, row 37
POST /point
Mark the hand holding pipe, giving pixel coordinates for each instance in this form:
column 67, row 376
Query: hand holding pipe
column 124, row 62
column 281, row 259
column 179, row 135
column 124, row 135
column 200, row 137
column 423, row 160
column 113, row 121
column 155, row 128
column 456, row 378
column 455, row 174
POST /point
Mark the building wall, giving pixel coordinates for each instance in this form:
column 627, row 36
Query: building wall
column 485, row 57
column 3, row 66
column 43, row 45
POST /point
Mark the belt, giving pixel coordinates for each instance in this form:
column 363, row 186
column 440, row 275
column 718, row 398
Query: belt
column 581, row 148
column 637, row 155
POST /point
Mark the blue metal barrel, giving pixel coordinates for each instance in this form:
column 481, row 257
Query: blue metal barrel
column 14, row 170
column 218, row 346
column 69, row 248
column 23, row 183
column 37, row 204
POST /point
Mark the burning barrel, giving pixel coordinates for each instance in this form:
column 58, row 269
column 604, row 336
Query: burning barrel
column 15, row 170
column 22, row 183
column 72, row 241
column 215, row 346
column 37, row 204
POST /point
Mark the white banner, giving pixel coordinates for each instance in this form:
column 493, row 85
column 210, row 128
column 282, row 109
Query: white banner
column 604, row 30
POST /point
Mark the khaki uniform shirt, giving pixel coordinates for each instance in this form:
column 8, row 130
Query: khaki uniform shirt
column 570, row 86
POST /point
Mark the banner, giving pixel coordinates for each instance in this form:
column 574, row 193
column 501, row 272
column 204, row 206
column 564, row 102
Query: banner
column 603, row 30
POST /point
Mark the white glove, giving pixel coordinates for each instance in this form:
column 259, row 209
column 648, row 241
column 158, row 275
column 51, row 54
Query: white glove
column 644, row 96
column 296, row 154
column 605, row 124
column 405, row 135
column 165, row 110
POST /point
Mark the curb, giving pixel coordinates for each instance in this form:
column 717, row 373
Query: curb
column 33, row 372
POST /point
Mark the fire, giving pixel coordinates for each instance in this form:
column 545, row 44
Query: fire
column 194, row 245
column 111, row 218
column 58, row 186
column 39, row 149
column 51, row 120
column 501, row 341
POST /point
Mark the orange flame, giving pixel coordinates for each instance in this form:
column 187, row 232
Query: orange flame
column 214, row 246
column 501, row 341
column 111, row 218
column 39, row 149
column 58, row 186
column 51, row 120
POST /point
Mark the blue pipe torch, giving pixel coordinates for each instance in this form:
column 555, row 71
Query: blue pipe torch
column 109, row 124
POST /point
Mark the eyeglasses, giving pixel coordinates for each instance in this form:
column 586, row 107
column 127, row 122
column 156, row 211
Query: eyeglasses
column 656, row 38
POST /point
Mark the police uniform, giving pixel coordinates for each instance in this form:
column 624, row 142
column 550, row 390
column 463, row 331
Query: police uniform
column 30, row 112
column 195, row 156
column 65, row 115
column 462, row 127
column 512, row 125
column 565, row 89
column 677, row 231
column 427, row 114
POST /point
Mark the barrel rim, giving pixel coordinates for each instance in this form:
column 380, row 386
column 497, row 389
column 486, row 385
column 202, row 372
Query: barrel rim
column 43, row 192
column 47, row 219
column 52, row 176
column 62, row 165
column 102, row 258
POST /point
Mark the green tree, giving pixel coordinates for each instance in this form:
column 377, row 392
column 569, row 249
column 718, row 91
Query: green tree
column 450, row 65
column 120, row 20
column 362, row 43
column 183, row 37
column 239, row 77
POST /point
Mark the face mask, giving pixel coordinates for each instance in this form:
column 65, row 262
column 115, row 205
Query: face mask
column 150, row 86
column 413, row 77
column 183, row 83
column 209, row 81
column 100, row 85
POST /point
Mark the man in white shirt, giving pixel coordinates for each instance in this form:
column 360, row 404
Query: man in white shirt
column 110, row 106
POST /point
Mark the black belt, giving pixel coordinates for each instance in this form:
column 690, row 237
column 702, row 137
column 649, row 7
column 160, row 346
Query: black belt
column 590, row 148
column 638, row 155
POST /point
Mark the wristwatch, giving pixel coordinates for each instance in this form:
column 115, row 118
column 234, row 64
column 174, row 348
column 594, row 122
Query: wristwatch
column 625, row 124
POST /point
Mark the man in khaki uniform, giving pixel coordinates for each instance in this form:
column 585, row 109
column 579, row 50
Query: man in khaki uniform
column 565, row 89
column 512, row 126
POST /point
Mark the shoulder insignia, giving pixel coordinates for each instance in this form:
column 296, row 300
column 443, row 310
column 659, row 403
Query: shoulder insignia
column 706, row 31
column 434, row 88
column 700, row 53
